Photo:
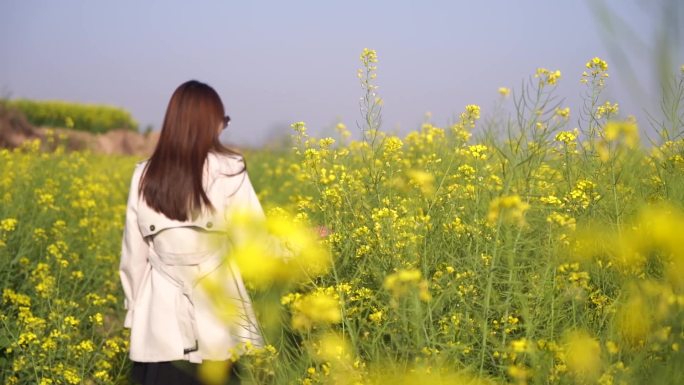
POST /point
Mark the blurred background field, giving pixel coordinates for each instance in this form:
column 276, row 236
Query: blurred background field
column 92, row 118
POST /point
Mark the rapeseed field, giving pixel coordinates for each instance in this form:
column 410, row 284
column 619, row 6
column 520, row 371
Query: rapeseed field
column 542, row 246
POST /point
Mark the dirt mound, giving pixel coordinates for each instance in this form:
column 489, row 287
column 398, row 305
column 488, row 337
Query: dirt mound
column 127, row 142
column 15, row 129
column 120, row 142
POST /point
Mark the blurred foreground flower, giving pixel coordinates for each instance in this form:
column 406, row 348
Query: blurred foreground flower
column 333, row 348
column 423, row 180
column 655, row 233
column 315, row 308
column 622, row 133
column 275, row 250
column 583, row 355
column 652, row 300
column 425, row 376
column 214, row 372
column 510, row 209
column 403, row 281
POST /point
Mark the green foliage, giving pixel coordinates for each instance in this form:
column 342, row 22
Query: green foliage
column 83, row 117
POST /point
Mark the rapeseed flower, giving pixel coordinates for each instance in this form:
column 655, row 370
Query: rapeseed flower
column 392, row 145
column 471, row 114
column 562, row 220
column 569, row 138
column 96, row 319
column 275, row 250
column 478, row 151
column 510, row 209
column 423, row 180
column 547, row 77
column 607, row 110
column 8, row 224
column 563, row 112
column 315, row 309
column 634, row 321
column 626, row 129
column 583, row 355
column 333, row 348
column 376, row 316
column 520, row 346
column 341, row 129
column 598, row 72
column 406, row 280
column 597, row 65
column 369, row 56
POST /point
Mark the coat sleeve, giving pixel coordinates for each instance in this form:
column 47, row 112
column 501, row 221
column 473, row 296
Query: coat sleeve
column 134, row 251
column 244, row 198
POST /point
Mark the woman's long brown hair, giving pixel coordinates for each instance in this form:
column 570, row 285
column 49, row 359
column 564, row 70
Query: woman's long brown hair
column 172, row 180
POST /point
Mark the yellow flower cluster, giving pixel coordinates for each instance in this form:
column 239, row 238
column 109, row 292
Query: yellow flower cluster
column 626, row 129
column 582, row 354
column 275, row 250
column 562, row 220
column 423, row 180
column 597, row 64
column 547, row 77
column 617, row 136
column 8, row 225
column 315, row 309
column 582, row 195
column 569, row 138
column 607, row 110
column 472, row 112
column 563, row 112
column 598, row 71
column 369, row 56
column 478, row 151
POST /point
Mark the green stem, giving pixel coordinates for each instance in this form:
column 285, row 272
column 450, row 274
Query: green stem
column 488, row 295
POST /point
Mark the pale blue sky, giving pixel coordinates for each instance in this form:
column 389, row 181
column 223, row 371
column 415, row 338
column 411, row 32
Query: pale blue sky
column 277, row 62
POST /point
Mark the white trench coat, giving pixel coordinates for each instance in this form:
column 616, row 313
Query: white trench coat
column 169, row 315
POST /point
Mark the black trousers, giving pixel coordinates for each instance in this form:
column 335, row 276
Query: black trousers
column 174, row 373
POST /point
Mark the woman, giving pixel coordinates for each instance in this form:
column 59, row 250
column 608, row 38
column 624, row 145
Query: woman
column 177, row 211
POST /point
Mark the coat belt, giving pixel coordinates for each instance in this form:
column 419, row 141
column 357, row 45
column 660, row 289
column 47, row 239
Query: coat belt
column 185, row 306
